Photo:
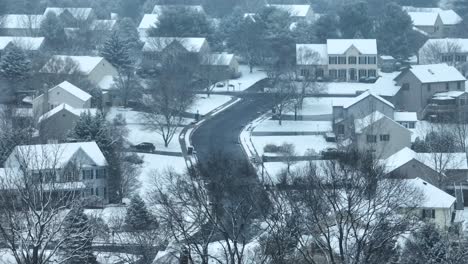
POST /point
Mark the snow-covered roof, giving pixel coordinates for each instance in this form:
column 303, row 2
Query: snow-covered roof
column 21, row 21
column 82, row 95
column 405, row 116
column 387, row 57
column 75, row 111
column 451, row 161
column 295, row 10
column 433, row 197
column 434, row 73
column 158, row 9
column 157, row 44
column 362, row 123
column 78, row 13
column 104, row 24
column 54, row 156
column 107, row 82
column 448, row 95
column 386, row 84
column 453, row 45
column 218, row 59
column 311, row 54
column 426, row 16
column 86, row 64
column 148, row 21
column 26, row 43
column 365, row 95
column 340, row 46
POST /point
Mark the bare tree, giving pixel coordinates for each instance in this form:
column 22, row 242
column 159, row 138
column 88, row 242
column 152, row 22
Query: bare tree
column 438, row 51
column 128, row 86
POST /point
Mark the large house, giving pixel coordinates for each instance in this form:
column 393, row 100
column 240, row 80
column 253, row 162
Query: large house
column 453, row 51
column 433, row 22
column 78, row 167
column 21, row 25
column 64, row 93
column 420, row 83
column 93, row 68
column 219, row 66
column 338, row 60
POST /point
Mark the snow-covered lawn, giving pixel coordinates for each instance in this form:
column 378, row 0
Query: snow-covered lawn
column 156, row 164
column 302, row 143
column 131, row 116
column 294, row 126
column 322, row 105
column 204, row 104
column 246, row 80
column 274, row 169
column 140, row 133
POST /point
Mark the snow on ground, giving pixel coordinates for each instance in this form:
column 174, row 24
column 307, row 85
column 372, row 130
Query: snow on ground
column 246, row 80
column 155, row 164
column 302, row 143
column 294, row 126
column 204, row 104
column 111, row 214
column 113, row 258
column 313, row 106
column 274, row 169
column 131, row 116
column 140, row 133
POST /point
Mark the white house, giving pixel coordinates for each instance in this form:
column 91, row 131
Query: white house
column 93, row 67
column 159, row 9
column 434, row 22
column 64, row 93
column 338, row 60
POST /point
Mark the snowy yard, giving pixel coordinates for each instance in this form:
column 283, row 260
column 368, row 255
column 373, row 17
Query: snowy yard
column 246, row 80
column 204, row 104
column 274, row 169
column 302, row 144
column 294, row 126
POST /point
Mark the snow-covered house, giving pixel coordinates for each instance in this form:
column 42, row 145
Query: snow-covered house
column 71, row 16
column 338, row 60
column 159, row 9
column 64, row 93
column 380, row 134
column 434, row 22
column 220, row 66
column 453, row 51
column 79, row 167
column 28, row 44
column 92, row 67
column 436, row 206
column 421, row 82
column 297, row 12
column 57, row 123
column 20, row 25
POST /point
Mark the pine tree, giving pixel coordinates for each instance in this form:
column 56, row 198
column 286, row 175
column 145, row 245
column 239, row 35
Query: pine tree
column 53, row 30
column 116, row 51
column 78, row 237
column 138, row 218
column 129, row 34
column 15, row 66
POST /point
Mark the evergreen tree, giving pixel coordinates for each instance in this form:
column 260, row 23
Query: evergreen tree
column 129, row 34
column 355, row 18
column 116, row 51
column 138, row 218
column 426, row 246
column 15, row 66
column 129, row 9
column 393, row 32
column 53, row 30
column 78, row 237
column 326, row 27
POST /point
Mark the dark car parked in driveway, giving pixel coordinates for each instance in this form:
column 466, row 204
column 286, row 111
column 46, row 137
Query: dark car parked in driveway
column 145, row 147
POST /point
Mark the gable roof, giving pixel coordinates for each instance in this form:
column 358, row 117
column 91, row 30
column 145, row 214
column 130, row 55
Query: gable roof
column 311, row 54
column 157, row 44
column 295, row 10
column 448, row 44
column 362, row 123
column 158, row 9
column 72, row 89
column 21, row 21
column 433, row 196
column 427, row 16
column 26, row 43
column 434, row 73
column 218, row 59
column 86, row 64
column 78, row 13
column 148, row 21
column 340, row 46
column 103, row 24
column 423, row 18
column 364, row 95
column 74, row 111
column 405, row 116
column 54, row 156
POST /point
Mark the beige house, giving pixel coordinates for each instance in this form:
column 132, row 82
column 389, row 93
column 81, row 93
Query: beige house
column 433, row 22
column 94, row 68
column 421, row 82
column 78, row 167
column 339, row 60
column 380, row 135
column 64, row 93
column 21, row 25
column 219, row 66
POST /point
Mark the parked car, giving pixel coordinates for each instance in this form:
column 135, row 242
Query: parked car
column 220, row 84
column 329, row 153
column 145, row 147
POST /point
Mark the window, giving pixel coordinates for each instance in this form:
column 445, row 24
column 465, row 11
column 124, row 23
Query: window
column 304, row 72
column 404, row 124
column 460, row 58
column 405, row 86
column 104, row 192
column 428, row 87
column 362, row 74
column 91, row 191
column 459, row 84
column 362, row 60
column 412, row 125
column 372, row 73
column 447, row 86
column 385, row 137
column 332, row 74
column 447, row 58
column 352, row 74
column 342, row 74
column 428, row 213
column 97, row 191
column 371, row 138
column 352, row 60
column 340, row 129
column 332, row 60
column 319, row 73
column 87, row 174
column 342, row 60
column 101, row 173
column 371, row 60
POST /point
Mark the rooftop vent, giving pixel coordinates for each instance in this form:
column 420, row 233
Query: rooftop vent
column 430, row 71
